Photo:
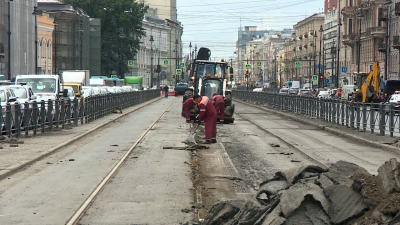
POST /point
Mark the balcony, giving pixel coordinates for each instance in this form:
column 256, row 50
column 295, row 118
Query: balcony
column 349, row 11
column 378, row 32
column 349, row 39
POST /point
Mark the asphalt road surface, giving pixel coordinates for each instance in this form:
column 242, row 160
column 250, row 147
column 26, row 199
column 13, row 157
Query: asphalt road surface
column 153, row 185
column 250, row 140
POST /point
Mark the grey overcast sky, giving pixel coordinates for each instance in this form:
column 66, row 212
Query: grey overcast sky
column 214, row 23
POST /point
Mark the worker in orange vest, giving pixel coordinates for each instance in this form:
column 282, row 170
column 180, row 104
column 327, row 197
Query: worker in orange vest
column 209, row 116
column 219, row 103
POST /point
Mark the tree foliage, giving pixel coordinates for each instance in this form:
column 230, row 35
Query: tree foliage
column 121, row 30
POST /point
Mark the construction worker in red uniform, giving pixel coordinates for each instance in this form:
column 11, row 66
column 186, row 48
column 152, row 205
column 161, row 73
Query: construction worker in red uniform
column 209, row 116
column 187, row 106
column 219, row 103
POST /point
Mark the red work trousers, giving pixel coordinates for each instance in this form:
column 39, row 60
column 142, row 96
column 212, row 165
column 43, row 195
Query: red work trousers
column 220, row 108
column 211, row 127
column 187, row 114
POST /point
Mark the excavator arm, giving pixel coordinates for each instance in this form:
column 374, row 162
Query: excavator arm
column 373, row 77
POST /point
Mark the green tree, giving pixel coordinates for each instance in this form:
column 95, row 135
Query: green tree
column 121, row 30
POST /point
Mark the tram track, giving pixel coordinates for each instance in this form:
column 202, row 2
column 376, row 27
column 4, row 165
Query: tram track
column 74, row 219
column 291, row 146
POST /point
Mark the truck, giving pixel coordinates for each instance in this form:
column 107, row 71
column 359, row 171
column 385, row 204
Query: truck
column 210, row 77
column 45, row 87
column 76, row 79
column 135, row 82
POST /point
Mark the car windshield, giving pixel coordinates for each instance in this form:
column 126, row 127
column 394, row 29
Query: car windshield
column 40, row 85
column 395, row 97
column 210, row 69
column 210, row 87
column 75, row 88
column 20, row 92
column 3, row 96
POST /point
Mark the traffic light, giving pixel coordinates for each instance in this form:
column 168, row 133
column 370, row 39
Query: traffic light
column 247, row 73
column 321, row 81
column 231, row 72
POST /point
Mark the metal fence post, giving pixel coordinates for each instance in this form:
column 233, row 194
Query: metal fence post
column 17, row 119
column 358, row 111
column 50, row 114
column 8, row 119
column 391, row 119
column 372, row 117
column 27, row 117
column 352, row 115
column 42, row 115
column 382, row 121
column 364, row 116
column 76, row 118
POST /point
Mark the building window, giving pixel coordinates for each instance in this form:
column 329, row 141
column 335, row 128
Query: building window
column 350, row 2
column 350, row 26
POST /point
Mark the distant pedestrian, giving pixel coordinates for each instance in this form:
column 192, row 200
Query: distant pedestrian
column 219, row 103
column 188, row 105
column 209, row 115
column 166, row 89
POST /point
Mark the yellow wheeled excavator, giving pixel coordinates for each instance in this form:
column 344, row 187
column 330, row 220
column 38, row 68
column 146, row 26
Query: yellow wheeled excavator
column 367, row 85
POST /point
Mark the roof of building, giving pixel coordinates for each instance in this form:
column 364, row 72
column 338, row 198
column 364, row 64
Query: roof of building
column 55, row 6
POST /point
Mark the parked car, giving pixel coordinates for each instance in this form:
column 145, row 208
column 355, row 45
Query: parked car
column 180, row 88
column 7, row 96
column 323, row 94
column 293, row 91
column 258, row 90
column 304, row 93
column 284, row 91
column 23, row 93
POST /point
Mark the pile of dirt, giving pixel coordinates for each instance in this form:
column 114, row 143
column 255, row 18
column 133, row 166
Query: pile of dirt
column 342, row 194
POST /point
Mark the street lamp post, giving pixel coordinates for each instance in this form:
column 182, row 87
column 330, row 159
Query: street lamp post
column 333, row 54
column 338, row 50
column 9, row 39
column 81, row 30
column 315, row 54
column 387, row 4
column 176, row 60
column 36, row 12
column 280, row 72
column 55, row 44
column 359, row 16
column 151, row 67
column 320, row 49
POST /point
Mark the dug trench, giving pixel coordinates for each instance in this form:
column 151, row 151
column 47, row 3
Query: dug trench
column 343, row 193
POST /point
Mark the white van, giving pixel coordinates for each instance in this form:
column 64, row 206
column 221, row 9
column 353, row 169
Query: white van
column 347, row 92
column 296, row 84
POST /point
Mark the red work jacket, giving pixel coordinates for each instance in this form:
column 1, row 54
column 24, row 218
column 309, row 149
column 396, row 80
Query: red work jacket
column 206, row 107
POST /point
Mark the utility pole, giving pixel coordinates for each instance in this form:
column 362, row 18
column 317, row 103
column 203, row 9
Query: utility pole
column 176, row 60
column 315, row 55
column 338, row 50
column 320, row 49
column 81, row 30
column 247, row 77
column 55, row 44
column 151, row 67
column 9, row 40
column 36, row 12
column 387, row 4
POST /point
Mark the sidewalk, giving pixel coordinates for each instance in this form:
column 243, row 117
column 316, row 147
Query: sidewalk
column 35, row 148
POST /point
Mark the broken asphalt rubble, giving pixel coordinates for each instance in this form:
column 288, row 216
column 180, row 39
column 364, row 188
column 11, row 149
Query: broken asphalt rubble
column 342, row 194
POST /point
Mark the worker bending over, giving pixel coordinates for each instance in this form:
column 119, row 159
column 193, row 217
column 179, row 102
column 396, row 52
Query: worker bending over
column 209, row 116
column 219, row 103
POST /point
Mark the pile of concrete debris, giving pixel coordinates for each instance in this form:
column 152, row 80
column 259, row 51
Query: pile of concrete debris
column 342, row 194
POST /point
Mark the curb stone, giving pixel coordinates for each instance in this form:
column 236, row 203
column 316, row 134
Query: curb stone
column 332, row 130
column 15, row 168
